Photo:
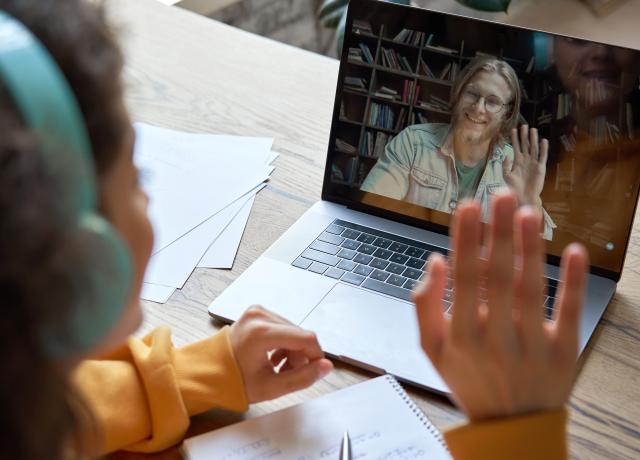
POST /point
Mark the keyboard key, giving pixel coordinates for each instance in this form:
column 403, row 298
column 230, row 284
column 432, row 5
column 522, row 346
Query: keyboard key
column 350, row 244
column 302, row 263
column 410, row 284
column 424, row 256
column 346, row 265
column 414, row 263
column 379, row 275
column 388, row 289
column 363, row 270
column 363, row 259
column 367, row 249
column 412, row 273
column 317, row 267
column 382, row 254
column 551, row 290
column 414, row 252
column 331, row 238
column 396, row 280
column 347, row 253
column 365, row 238
column 379, row 264
column 353, row 278
column 325, row 247
column 448, row 295
column 398, row 258
column 351, row 234
column 446, row 306
column 334, row 272
column 398, row 247
column 395, row 268
column 320, row 257
column 382, row 243
column 335, row 229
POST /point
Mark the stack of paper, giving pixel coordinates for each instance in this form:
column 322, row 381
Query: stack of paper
column 201, row 189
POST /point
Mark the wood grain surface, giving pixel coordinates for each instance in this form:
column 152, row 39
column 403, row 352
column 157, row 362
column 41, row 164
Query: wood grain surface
column 190, row 73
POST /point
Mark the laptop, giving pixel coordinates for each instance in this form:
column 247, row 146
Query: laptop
column 346, row 268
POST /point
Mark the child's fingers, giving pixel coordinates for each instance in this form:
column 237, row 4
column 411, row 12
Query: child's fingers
column 500, row 265
column 466, row 270
column 297, row 379
column 572, row 290
column 271, row 336
column 428, row 300
column 530, row 284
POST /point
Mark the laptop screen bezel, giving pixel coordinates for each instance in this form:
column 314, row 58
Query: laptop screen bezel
column 358, row 5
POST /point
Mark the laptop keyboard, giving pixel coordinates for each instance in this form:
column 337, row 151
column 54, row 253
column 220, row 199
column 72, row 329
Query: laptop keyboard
column 380, row 261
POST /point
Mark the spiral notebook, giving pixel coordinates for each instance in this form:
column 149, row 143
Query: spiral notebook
column 382, row 421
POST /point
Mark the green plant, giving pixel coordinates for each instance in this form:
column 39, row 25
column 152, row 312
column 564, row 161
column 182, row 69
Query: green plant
column 487, row 5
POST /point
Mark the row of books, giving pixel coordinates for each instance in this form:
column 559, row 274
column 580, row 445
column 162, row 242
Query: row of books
column 362, row 27
column 596, row 91
column 356, row 83
column 374, row 144
column 360, row 54
column 349, row 172
column 395, row 61
column 448, row 72
column 412, row 37
column 565, row 104
column 410, row 92
column 417, row 117
column 381, row 116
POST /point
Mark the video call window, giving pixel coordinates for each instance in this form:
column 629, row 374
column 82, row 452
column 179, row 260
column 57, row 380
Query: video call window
column 427, row 103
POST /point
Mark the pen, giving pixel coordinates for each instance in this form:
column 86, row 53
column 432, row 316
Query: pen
column 345, row 447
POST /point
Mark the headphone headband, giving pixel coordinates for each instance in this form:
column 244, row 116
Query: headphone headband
column 49, row 109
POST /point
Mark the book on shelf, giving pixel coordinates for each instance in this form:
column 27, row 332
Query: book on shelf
column 400, row 120
column 387, row 93
column 355, row 83
column 603, row 132
column 442, row 49
column 360, row 26
column 544, row 118
column 345, row 147
column 425, row 69
column 410, row 37
column 394, row 60
column 380, row 144
column 360, row 54
column 417, row 118
column 381, row 115
column 531, row 64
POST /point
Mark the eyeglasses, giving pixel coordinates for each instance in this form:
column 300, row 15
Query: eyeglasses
column 492, row 104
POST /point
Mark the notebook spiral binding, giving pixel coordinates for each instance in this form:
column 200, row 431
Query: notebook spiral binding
column 417, row 411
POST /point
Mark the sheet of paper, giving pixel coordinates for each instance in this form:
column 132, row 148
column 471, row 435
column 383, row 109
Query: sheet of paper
column 222, row 251
column 156, row 292
column 190, row 177
column 382, row 421
column 172, row 265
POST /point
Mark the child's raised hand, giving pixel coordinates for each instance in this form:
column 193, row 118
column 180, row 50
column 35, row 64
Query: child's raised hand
column 261, row 341
column 496, row 353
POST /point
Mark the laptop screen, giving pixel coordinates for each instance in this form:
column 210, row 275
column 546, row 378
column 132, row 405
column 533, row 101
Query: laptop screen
column 423, row 116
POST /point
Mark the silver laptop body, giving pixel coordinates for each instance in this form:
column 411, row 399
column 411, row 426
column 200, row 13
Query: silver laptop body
column 362, row 323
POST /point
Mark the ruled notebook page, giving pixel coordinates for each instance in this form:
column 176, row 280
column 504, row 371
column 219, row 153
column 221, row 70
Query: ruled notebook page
column 382, row 421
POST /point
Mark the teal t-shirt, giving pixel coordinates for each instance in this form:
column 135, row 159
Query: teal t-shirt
column 468, row 179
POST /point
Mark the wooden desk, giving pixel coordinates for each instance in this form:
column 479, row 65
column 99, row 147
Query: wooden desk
column 194, row 74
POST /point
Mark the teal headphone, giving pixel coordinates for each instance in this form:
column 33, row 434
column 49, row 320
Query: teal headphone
column 42, row 95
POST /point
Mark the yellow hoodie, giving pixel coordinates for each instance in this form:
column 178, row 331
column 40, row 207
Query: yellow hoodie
column 143, row 395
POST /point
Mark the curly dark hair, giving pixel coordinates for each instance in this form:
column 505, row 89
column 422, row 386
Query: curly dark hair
column 40, row 415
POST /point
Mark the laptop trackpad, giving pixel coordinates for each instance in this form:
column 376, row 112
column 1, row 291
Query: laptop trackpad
column 374, row 330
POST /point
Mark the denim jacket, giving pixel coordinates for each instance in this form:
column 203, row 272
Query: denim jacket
column 418, row 166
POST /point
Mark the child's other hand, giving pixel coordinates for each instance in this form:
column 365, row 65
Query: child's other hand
column 261, row 341
column 498, row 356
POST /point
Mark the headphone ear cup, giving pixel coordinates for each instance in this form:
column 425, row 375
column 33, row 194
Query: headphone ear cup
column 101, row 282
